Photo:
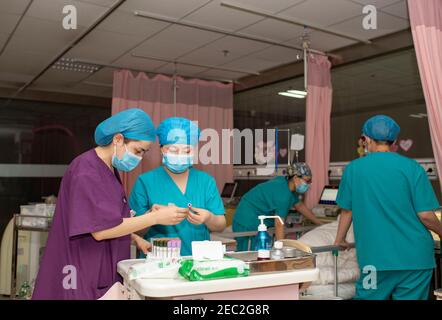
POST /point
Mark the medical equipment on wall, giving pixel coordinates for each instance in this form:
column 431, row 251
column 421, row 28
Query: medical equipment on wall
column 327, row 206
column 335, row 171
column 297, row 144
column 228, row 192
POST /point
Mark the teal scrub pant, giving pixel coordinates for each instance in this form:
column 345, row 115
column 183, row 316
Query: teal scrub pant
column 396, row 285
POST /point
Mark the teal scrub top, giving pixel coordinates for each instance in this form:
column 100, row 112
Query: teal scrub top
column 157, row 187
column 272, row 197
column 386, row 191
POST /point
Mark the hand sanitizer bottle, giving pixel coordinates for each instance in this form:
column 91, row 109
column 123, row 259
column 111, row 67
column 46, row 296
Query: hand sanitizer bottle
column 263, row 241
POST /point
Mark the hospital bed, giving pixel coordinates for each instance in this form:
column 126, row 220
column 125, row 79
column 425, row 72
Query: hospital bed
column 338, row 268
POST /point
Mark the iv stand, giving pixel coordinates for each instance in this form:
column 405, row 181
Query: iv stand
column 174, row 89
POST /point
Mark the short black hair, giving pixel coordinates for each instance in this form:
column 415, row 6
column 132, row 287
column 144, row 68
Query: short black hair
column 385, row 143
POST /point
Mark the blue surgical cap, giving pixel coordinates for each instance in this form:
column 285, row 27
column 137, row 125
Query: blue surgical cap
column 133, row 124
column 381, row 128
column 178, row 131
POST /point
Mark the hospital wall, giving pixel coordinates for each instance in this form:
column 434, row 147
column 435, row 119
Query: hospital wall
column 346, row 129
column 41, row 133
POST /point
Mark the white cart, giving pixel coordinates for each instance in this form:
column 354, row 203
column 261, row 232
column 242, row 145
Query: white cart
column 274, row 286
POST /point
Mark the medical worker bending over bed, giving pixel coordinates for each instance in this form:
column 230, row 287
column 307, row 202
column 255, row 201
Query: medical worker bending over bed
column 177, row 183
column 391, row 203
column 274, row 197
column 92, row 226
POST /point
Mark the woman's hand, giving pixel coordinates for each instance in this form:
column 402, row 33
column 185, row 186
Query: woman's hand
column 157, row 207
column 142, row 244
column 201, row 216
column 343, row 244
column 169, row 215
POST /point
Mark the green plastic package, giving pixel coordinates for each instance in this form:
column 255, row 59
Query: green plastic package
column 202, row 270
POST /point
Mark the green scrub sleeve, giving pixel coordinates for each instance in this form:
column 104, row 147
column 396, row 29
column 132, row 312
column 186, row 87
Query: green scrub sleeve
column 344, row 198
column 139, row 199
column 424, row 198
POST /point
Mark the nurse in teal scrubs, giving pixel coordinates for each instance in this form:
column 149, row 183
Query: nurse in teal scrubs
column 274, row 197
column 391, row 203
column 176, row 182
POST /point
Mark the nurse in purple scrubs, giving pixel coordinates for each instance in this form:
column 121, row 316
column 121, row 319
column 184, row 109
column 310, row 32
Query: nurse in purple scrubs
column 92, row 226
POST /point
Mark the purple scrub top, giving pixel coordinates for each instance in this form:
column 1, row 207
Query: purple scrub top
column 74, row 264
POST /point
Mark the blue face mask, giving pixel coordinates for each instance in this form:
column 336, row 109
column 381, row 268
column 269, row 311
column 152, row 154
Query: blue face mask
column 128, row 162
column 177, row 163
column 302, row 188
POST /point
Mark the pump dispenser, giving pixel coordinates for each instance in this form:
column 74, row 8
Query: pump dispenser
column 263, row 241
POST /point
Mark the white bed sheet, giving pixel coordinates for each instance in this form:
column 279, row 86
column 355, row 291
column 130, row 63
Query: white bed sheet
column 348, row 269
column 346, row 291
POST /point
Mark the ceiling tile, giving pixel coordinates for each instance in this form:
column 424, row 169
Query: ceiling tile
column 23, row 62
column 174, row 42
column 80, row 89
column 8, row 22
column 324, row 13
column 53, row 10
column 252, row 64
column 168, row 8
column 377, row 3
column 127, row 23
column 14, row 77
column 181, row 70
column 274, row 30
column 41, row 36
column 213, row 53
column 277, row 54
column 104, row 75
column 103, row 3
column 399, row 9
column 215, row 15
column 208, row 56
column 13, row 6
column 91, row 90
column 387, row 24
column 128, row 61
column 3, row 39
column 272, row 6
column 104, row 46
column 53, row 76
column 323, row 41
column 221, row 75
column 9, row 84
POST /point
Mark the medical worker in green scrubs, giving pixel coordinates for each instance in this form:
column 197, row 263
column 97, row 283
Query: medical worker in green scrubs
column 176, row 182
column 274, row 197
column 391, row 203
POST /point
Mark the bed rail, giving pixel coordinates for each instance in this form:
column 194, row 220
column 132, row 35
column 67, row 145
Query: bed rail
column 335, row 251
column 300, row 229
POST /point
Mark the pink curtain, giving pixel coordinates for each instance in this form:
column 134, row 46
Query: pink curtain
column 208, row 102
column 426, row 26
column 318, row 113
